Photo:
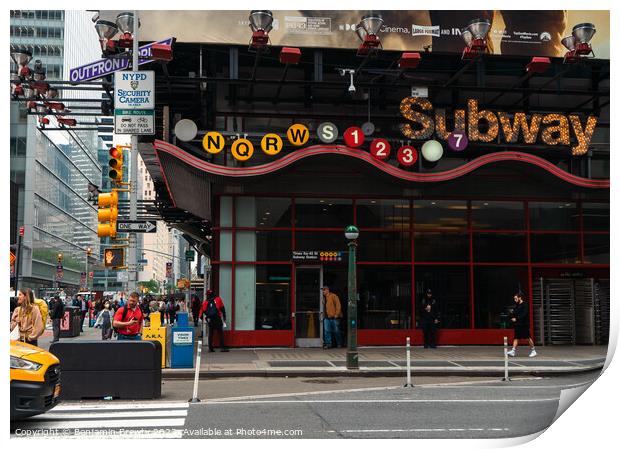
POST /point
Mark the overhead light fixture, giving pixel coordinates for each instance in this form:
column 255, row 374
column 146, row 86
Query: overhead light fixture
column 106, row 30
column 409, row 60
column 475, row 37
column 125, row 23
column 578, row 43
column 261, row 23
column 538, row 64
column 367, row 31
column 42, row 109
column 351, row 73
column 51, row 93
column 66, row 121
column 21, row 57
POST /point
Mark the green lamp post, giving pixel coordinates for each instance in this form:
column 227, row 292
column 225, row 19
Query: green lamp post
column 351, row 233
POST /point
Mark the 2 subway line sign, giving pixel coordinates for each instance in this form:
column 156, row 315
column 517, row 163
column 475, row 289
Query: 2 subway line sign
column 469, row 125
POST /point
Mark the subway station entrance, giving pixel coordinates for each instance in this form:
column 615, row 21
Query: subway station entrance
column 309, row 304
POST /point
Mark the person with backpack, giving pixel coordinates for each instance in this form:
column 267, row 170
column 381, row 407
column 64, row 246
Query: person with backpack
column 128, row 319
column 172, row 309
column 27, row 317
column 214, row 312
column 56, row 310
column 104, row 321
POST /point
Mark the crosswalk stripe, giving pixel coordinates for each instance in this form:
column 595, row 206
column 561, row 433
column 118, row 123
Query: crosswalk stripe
column 53, row 416
column 109, row 424
column 120, row 406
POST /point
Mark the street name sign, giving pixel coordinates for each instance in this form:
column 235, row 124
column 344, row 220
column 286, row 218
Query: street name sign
column 136, row 226
column 106, row 66
column 140, row 122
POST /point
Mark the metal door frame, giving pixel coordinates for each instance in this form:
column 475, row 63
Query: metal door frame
column 310, row 342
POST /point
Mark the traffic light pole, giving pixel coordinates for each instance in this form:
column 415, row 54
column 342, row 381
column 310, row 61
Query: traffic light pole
column 133, row 194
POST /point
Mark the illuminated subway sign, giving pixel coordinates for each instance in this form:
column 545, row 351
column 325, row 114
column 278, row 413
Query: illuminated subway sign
column 553, row 129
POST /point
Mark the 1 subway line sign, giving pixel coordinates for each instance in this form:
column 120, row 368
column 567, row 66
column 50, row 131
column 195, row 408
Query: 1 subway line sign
column 134, row 101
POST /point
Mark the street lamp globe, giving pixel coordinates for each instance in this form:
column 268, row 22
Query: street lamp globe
column 351, row 232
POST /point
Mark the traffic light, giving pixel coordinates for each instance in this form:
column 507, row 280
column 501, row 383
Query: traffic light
column 116, row 164
column 114, row 257
column 107, row 214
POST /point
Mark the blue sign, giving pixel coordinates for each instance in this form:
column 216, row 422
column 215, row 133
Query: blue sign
column 102, row 67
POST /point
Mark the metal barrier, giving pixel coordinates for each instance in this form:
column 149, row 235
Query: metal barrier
column 119, row 369
column 506, row 377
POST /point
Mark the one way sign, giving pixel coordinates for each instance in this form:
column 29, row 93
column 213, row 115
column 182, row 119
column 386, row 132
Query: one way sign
column 136, row 226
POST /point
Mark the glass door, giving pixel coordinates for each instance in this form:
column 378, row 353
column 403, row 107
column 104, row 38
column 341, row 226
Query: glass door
column 309, row 307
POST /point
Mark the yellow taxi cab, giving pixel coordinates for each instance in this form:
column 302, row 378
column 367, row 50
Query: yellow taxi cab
column 35, row 380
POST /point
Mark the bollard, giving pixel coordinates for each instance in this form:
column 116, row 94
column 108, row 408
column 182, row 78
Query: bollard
column 194, row 398
column 506, row 378
column 204, row 332
column 408, row 384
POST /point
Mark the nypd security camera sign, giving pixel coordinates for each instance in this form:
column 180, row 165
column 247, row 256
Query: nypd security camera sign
column 134, row 90
column 134, row 103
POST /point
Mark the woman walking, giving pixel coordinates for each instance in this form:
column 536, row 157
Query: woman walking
column 27, row 318
column 104, row 320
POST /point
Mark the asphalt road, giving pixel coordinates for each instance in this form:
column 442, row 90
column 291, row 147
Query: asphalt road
column 319, row 408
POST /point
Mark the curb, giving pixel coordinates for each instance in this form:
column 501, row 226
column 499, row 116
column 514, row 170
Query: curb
column 183, row 374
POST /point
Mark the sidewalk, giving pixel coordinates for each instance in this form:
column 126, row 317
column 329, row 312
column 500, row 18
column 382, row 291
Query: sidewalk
column 381, row 361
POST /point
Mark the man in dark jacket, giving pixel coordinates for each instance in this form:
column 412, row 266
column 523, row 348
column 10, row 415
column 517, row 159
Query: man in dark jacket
column 56, row 310
column 429, row 320
column 214, row 312
column 196, row 304
column 520, row 318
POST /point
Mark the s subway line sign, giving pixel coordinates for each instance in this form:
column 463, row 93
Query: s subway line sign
column 106, row 66
column 488, row 126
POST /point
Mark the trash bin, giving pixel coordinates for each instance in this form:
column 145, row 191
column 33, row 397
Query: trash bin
column 70, row 322
column 182, row 343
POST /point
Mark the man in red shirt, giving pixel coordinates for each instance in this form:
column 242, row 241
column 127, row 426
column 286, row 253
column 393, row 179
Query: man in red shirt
column 128, row 320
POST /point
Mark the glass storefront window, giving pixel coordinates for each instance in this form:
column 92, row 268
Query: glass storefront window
column 245, row 211
column 450, row 286
column 500, row 247
column 555, row 248
column 323, row 213
column 320, row 241
column 225, row 245
column 497, row 215
column 596, row 248
column 389, row 214
column 263, row 246
column 384, row 246
column 439, row 215
column 494, row 288
column 554, row 216
column 384, row 297
column 441, row 247
column 273, row 212
column 595, row 216
column 225, row 211
column 273, row 297
column 245, row 297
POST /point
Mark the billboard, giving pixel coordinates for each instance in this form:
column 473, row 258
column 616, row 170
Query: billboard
column 513, row 32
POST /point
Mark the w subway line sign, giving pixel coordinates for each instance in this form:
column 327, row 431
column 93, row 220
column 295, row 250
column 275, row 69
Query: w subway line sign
column 103, row 67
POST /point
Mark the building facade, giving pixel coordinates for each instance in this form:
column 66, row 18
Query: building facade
column 51, row 169
column 522, row 206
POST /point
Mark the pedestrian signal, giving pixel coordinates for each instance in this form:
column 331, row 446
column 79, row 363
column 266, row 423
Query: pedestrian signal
column 114, row 257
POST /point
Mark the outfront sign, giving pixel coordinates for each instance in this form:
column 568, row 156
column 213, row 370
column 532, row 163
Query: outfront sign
column 107, row 66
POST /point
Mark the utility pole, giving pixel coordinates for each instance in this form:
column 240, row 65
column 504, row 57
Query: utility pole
column 133, row 194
